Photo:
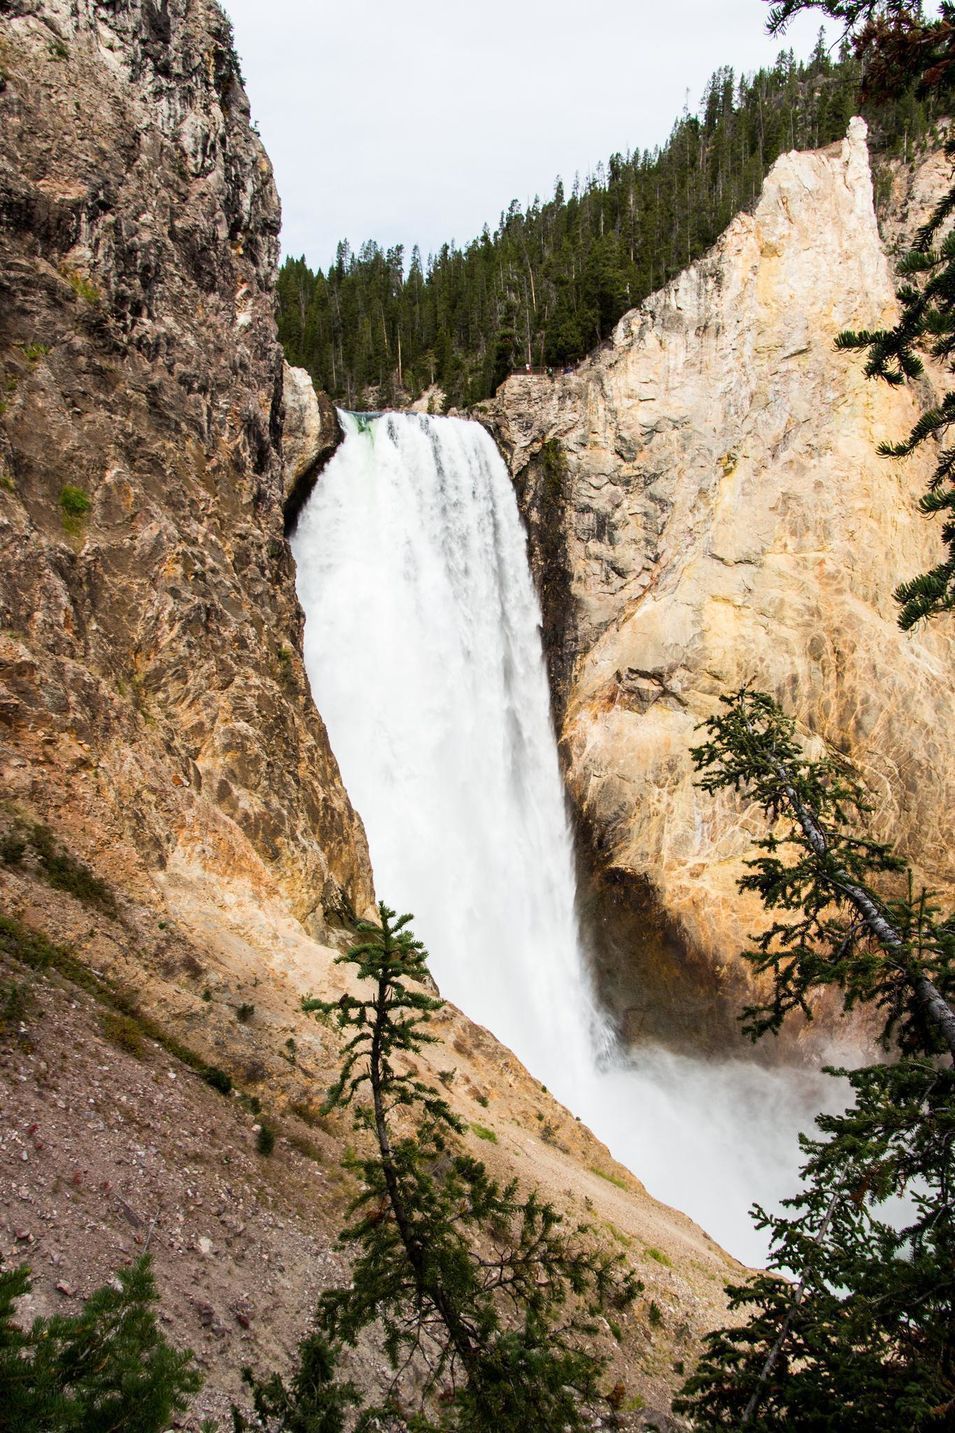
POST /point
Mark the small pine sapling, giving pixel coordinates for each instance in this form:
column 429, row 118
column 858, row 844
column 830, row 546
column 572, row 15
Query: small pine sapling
column 485, row 1300
column 107, row 1367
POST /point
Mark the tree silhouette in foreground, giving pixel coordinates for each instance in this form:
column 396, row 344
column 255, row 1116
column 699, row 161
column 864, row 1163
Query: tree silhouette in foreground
column 485, row 1301
column 864, row 1338
column 106, row 1368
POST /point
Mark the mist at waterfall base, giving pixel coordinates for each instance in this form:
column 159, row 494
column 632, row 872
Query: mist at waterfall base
column 422, row 645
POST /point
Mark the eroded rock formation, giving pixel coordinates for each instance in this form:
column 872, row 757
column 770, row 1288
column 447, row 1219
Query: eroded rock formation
column 153, row 697
column 707, row 509
column 154, row 713
column 310, row 434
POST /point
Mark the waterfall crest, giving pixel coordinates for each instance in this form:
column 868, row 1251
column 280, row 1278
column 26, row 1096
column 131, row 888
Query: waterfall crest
column 423, row 649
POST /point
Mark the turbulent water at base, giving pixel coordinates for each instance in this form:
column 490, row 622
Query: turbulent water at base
column 423, row 649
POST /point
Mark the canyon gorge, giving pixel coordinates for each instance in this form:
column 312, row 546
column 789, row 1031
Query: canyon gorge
column 707, row 510
column 704, row 508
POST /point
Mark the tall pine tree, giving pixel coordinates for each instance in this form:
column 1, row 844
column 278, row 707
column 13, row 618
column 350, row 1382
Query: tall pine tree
column 485, row 1301
column 860, row 1335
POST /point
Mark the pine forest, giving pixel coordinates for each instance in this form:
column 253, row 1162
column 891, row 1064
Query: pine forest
column 551, row 282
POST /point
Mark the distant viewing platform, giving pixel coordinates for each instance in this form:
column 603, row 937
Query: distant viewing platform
column 528, row 372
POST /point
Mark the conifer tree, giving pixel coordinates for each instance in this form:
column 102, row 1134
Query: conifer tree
column 863, row 1340
column 482, row 1293
column 107, row 1367
column 312, row 1401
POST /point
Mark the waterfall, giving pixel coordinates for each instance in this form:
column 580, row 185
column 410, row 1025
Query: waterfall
column 423, row 649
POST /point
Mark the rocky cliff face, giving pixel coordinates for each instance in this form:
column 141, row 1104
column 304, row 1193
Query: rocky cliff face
column 156, row 726
column 153, row 698
column 707, row 509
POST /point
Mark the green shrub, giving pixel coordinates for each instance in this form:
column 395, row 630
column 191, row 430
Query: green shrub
column 83, row 287
column 304, row 1111
column 12, row 849
column 244, row 1013
column 124, row 1032
column 265, row 1139
column 305, row 1146
column 108, row 1366
column 65, row 873
column 610, row 1178
column 483, row 1133
column 660, row 1257
column 217, row 1078
column 29, row 947
column 74, row 501
column 16, row 1003
column 286, row 667
column 654, row 1314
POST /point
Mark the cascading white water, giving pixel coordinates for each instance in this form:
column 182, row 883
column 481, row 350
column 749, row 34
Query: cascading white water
column 423, row 651
column 422, row 644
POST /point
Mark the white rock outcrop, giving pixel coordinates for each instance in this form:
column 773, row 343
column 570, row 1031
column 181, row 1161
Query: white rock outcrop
column 310, row 431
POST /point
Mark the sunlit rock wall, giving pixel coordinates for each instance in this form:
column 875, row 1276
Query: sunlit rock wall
column 707, row 488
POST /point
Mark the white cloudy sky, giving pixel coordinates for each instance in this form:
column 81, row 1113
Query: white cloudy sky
column 419, row 122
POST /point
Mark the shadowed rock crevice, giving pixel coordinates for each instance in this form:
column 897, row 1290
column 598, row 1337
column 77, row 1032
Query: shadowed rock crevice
column 542, row 495
column 655, row 988
column 311, row 436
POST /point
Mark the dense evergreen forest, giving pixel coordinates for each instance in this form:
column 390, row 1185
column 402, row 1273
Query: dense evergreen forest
column 550, row 283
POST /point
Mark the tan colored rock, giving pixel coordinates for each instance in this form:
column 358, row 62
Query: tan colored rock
column 152, row 695
column 432, row 400
column 720, row 516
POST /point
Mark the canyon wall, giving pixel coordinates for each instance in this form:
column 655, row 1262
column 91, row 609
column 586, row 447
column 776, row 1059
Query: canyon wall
column 179, row 861
column 707, row 509
column 153, row 699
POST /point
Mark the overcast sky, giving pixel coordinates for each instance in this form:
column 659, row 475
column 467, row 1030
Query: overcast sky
column 419, row 122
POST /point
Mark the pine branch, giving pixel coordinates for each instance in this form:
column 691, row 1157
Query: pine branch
column 752, row 747
column 798, row 1294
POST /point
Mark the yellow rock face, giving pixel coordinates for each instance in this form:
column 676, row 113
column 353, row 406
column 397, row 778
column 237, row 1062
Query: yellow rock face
column 726, row 519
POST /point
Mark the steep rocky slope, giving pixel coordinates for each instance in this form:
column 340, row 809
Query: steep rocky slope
column 153, row 695
column 171, row 813
column 112, row 1143
column 706, row 509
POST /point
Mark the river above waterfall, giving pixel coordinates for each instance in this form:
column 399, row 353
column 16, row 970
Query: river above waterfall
column 423, row 650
